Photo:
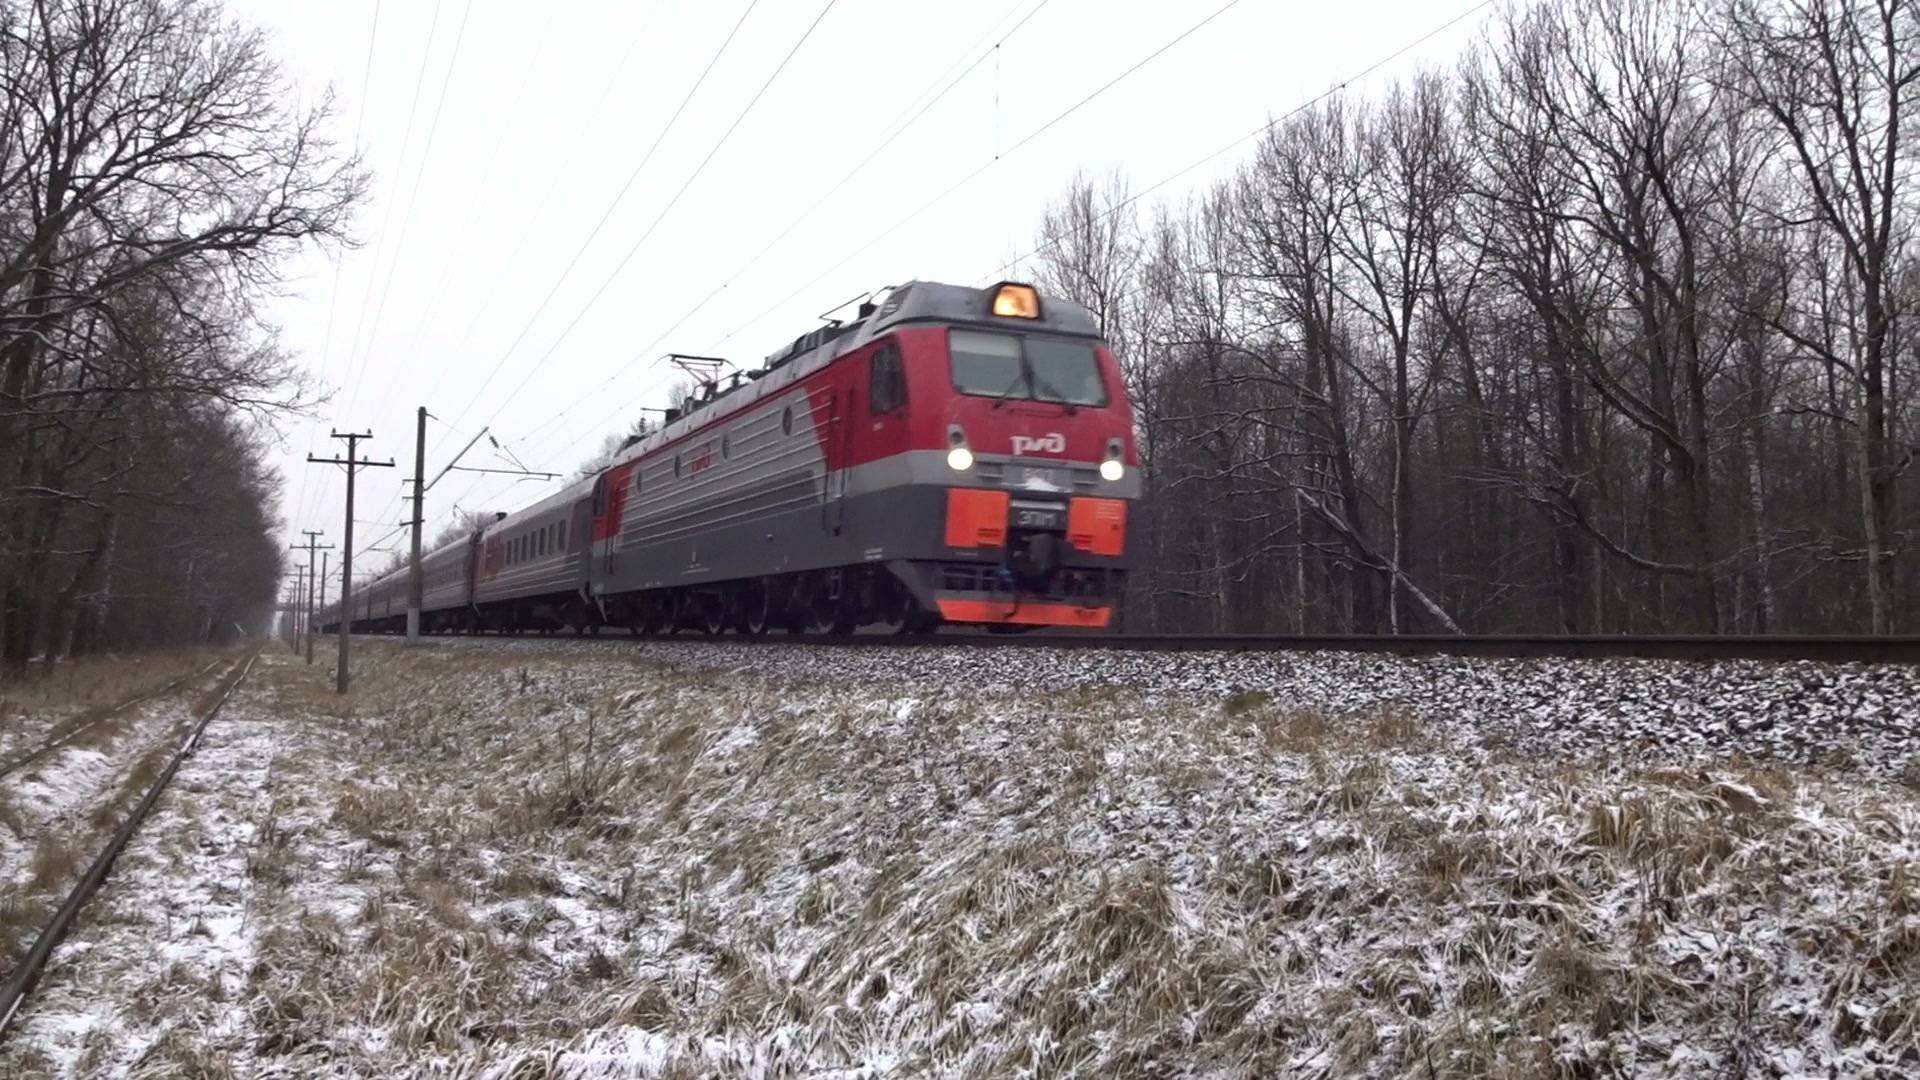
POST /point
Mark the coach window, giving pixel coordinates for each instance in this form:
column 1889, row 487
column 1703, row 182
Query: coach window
column 562, row 546
column 886, row 381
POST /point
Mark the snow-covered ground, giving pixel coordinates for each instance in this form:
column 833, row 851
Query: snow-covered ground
column 690, row 859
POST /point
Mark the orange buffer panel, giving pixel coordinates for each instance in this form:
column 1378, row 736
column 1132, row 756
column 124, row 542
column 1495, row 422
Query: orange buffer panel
column 976, row 517
column 1025, row 614
column 1097, row 526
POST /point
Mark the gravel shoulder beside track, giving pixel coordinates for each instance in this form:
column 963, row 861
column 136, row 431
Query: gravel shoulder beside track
column 521, row 860
column 1849, row 716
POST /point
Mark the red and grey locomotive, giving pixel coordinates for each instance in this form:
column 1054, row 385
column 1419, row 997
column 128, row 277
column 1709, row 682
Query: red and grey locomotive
column 952, row 455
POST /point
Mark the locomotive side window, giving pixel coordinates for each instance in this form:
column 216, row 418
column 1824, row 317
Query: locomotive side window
column 786, row 421
column 726, row 445
column 886, row 381
column 562, row 544
column 987, row 365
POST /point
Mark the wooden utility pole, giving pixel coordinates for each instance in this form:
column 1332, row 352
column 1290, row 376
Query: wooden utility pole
column 295, row 597
column 353, row 464
column 414, row 586
column 312, row 545
column 323, row 585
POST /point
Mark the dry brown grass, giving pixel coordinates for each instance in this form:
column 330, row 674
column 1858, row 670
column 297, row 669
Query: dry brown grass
column 96, row 681
column 55, row 863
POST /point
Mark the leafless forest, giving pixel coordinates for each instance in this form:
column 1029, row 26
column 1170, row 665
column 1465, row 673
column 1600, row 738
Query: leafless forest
column 152, row 177
column 1608, row 328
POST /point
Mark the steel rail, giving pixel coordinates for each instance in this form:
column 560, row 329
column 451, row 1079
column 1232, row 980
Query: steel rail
column 20, row 982
column 1826, row 649
column 21, row 761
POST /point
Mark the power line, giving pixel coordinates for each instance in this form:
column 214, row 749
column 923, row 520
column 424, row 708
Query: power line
column 413, row 199
column 896, row 126
column 897, row 129
column 373, row 270
column 406, row 137
column 1336, row 88
column 668, row 208
column 975, row 174
column 333, row 303
column 665, row 210
column 1262, row 129
column 594, row 233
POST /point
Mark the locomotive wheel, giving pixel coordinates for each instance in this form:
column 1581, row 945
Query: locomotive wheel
column 752, row 609
column 829, row 617
column 712, row 615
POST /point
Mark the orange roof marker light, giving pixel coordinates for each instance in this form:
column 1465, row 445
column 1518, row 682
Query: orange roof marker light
column 1016, row 301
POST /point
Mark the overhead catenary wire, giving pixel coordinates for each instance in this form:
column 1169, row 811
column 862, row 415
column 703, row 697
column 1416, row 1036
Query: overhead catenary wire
column 667, row 209
column 1162, row 49
column 897, row 127
column 594, row 233
column 380, row 242
column 984, row 166
column 606, row 214
column 555, row 176
column 1256, row 132
column 333, row 302
column 373, row 270
column 413, row 199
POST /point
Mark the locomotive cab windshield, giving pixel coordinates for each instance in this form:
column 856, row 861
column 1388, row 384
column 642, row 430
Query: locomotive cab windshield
column 1025, row 367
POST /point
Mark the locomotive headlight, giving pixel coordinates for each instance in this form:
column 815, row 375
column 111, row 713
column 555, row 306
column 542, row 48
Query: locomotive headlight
column 959, row 458
column 1111, row 470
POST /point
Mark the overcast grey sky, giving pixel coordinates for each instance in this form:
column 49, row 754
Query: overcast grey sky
column 500, row 133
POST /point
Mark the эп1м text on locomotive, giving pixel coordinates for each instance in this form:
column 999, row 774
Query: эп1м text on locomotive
column 953, row 455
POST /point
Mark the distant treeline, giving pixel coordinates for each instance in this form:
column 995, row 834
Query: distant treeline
column 1611, row 327
column 152, row 176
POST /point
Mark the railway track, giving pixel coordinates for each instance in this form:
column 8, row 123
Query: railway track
column 1832, row 649
column 87, row 722
column 22, row 979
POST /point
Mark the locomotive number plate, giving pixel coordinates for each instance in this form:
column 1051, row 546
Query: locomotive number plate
column 1038, row 477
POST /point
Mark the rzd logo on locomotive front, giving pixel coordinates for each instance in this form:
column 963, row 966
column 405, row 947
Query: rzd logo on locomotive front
column 1051, row 443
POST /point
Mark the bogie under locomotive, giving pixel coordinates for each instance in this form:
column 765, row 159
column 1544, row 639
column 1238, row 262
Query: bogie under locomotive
column 954, row 455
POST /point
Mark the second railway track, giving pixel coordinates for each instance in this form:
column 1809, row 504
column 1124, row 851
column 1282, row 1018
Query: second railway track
column 25, row 974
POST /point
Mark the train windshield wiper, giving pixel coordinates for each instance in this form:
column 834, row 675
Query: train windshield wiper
column 1042, row 384
column 1004, row 395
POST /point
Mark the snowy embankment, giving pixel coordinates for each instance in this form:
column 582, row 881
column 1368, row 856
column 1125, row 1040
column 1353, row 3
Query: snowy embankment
column 782, row 862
